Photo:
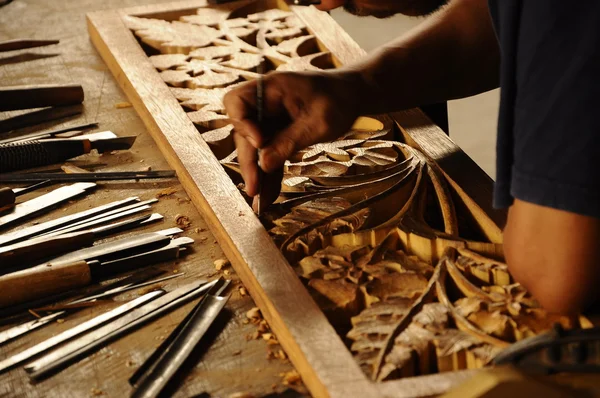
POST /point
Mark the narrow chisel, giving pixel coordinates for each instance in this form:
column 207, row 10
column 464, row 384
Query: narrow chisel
column 13, row 333
column 177, row 348
column 20, row 44
column 67, row 335
column 78, row 349
column 45, row 203
column 35, row 230
column 83, row 177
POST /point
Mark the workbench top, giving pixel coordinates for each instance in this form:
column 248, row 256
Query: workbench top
column 237, row 361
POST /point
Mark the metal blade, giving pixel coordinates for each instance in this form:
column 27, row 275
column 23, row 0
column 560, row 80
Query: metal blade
column 113, row 144
column 106, row 216
column 82, row 177
column 45, row 202
column 27, row 327
column 77, row 330
column 81, row 347
column 35, row 230
column 153, row 382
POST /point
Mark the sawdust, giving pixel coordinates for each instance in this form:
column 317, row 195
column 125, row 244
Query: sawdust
column 221, row 263
column 166, row 192
column 291, row 378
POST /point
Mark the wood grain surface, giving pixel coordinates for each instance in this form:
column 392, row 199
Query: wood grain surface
column 232, row 364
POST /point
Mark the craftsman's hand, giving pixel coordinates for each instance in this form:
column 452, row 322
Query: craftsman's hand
column 300, row 109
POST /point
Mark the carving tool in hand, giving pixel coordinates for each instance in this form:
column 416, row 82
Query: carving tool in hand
column 44, row 203
column 35, row 230
column 85, row 345
column 8, row 196
column 260, row 115
column 27, row 154
column 154, row 374
column 57, row 243
column 21, row 44
column 67, row 335
column 29, row 97
column 83, row 177
column 82, row 267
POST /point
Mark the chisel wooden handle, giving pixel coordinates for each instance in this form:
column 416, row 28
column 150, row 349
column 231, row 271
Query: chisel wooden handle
column 7, row 199
column 27, row 97
column 33, row 283
column 35, row 249
column 26, row 154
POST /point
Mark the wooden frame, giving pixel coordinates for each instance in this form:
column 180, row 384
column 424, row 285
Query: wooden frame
column 320, row 356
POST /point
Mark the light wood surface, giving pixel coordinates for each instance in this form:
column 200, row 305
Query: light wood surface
column 312, row 344
column 233, row 364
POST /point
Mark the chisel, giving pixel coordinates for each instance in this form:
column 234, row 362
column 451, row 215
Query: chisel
column 20, row 44
column 39, row 96
column 56, row 133
column 67, row 335
column 8, row 196
column 91, row 176
column 27, row 154
column 35, row 230
column 158, row 370
column 46, row 246
column 44, row 203
column 82, row 267
column 78, row 349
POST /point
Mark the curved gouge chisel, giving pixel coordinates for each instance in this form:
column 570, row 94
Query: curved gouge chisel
column 67, row 335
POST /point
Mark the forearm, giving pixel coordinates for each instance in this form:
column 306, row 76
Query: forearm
column 453, row 54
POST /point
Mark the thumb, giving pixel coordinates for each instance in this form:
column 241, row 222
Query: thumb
column 295, row 137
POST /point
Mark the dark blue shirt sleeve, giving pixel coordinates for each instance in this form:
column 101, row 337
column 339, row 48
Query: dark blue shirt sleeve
column 553, row 124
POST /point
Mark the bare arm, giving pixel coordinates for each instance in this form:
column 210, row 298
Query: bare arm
column 454, row 54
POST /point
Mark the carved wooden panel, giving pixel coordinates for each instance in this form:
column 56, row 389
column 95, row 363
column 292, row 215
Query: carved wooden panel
column 398, row 267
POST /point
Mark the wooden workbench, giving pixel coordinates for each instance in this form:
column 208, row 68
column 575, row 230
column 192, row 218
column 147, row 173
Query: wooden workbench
column 233, row 364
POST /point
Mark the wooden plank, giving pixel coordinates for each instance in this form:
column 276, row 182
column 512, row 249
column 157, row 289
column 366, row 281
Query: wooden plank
column 314, row 347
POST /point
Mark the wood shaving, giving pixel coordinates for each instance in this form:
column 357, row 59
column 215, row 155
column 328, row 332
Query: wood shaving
column 183, row 221
column 221, row 263
column 291, row 378
column 166, row 192
column 267, row 336
column 280, row 354
column 96, row 391
column 242, row 395
column 227, row 272
column 254, row 314
column 60, row 320
column 122, row 105
column 236, row 353
column 35, row 314
column 242, row 290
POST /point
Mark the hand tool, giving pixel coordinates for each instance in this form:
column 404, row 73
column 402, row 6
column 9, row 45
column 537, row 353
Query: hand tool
column 16, row 359
column 12, row 333
column 50, row 134
column 34, row 230
column 29, row 97
column 102, row 218
column 83, row 266
column 260, row 89
column 81, row 294
column 557, row 350
column 44, row 203
column 78, row 349
column 39, row 116
column 60, row 242
column 60, row 309
column 20, row 44
column 157, row 371
column 82, row 177
column 9, row 196
column 26, row 154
